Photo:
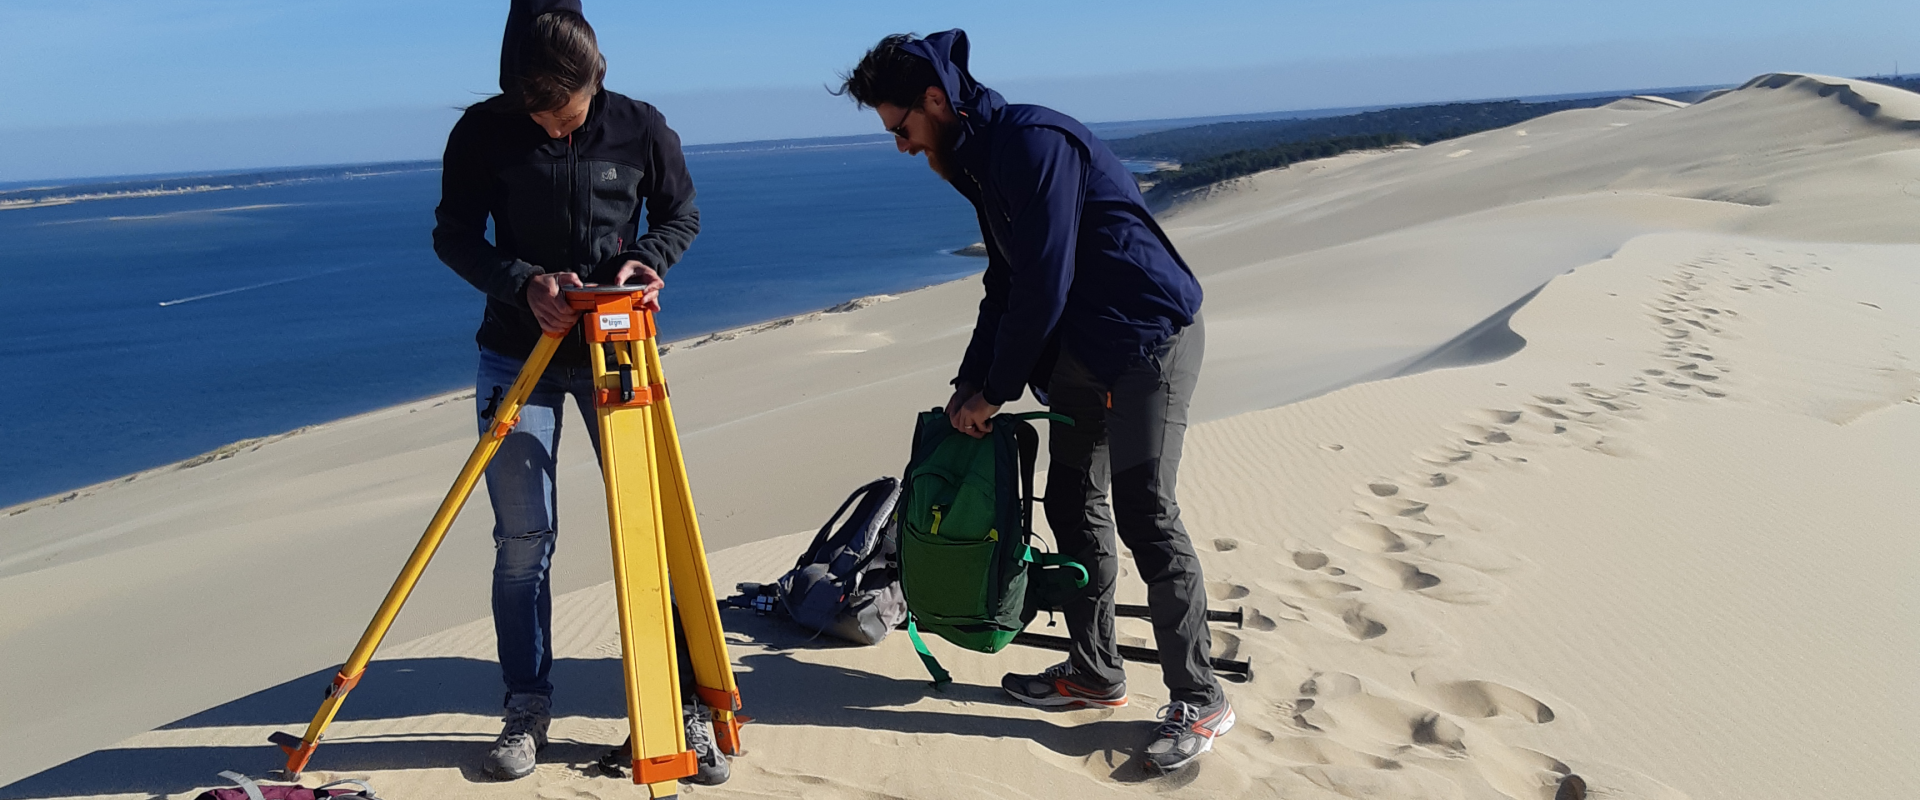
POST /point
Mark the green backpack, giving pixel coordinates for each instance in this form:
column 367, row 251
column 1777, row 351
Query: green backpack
column 967, row 565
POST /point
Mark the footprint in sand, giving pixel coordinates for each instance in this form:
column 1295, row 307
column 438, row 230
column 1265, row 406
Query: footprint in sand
column 1226, row 545
column 1225, row 645
column 1308, row 559
column 1319, row 750
column 1447, row 583
column 1389, row 573
column 1393, row 507
column 1481, row 435
column 1334, row 706
column 1552, row 414
column 1382, row 487
column 1222, row 590
column 1445, row 455
column 1389, row 721
column 1263, row 735
column 1259, row 621
column 1482, row 699
column 1410, row 729
column 1371, row 537
column 1309, row 587
column 1360, row 623
column 1330, row 684
column 1495, row 416
column 1430, row 543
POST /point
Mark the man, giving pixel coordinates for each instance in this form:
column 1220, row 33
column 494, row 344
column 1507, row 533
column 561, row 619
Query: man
column 1088, row 302
column 564, row 168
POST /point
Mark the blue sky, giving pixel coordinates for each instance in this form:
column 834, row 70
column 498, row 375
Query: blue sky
column 93, row 87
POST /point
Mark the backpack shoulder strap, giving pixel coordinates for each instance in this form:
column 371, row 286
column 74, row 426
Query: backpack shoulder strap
column 882, row 518
column 365, row 791
column 813, row 550
column 1027, row 440
column 246, row 784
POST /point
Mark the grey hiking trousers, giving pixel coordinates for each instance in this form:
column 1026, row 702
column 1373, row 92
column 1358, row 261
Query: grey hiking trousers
column 1131, row 442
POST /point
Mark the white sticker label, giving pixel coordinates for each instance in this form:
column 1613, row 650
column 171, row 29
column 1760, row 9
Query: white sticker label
column 615, row 322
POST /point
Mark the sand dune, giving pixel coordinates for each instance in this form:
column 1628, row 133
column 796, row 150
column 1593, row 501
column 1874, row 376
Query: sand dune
column 1659, row 542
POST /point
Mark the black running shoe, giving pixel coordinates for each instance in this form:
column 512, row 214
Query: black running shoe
column 1059, row 687
column 1185, row 732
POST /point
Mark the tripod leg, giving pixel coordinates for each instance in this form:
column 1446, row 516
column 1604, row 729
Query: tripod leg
column 687, row 560
column 650, row 667
column 300, row 751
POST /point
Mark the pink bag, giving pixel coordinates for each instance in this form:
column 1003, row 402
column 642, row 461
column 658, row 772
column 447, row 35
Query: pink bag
column 249, row 790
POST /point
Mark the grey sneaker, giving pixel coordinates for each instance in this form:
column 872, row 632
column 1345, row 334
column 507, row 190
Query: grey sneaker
column 713, row 765
column 1186, row 731
column 523, row 736
column 714, row 768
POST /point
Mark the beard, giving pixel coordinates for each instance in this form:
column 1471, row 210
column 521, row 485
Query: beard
column 940, row 158
column 941, row 162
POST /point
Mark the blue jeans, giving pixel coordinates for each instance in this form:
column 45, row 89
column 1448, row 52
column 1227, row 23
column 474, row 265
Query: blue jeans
column 526, row 520
column 526, row 517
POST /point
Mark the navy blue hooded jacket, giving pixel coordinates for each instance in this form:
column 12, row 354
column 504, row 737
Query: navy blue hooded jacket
column 1074, row 259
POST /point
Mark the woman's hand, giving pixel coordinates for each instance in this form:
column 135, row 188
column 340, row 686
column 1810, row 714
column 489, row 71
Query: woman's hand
column 634, row 273
column 546, row 293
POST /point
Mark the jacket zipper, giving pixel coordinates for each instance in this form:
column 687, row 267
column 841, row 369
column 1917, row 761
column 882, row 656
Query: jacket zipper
column 573, row 250
column 982, row 191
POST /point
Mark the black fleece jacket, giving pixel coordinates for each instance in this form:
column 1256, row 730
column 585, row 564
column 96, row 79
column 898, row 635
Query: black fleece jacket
column 558, row 205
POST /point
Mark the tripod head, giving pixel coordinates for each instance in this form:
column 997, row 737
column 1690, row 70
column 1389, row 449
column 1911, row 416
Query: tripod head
column 613, row 313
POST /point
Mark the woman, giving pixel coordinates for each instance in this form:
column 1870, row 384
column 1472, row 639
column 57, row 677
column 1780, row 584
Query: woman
column 565, row 169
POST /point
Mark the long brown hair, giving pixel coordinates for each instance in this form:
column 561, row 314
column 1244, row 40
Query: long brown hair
column 558, row 58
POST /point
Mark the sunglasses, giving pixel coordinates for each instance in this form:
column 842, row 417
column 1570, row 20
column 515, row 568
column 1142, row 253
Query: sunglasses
column 899, row 129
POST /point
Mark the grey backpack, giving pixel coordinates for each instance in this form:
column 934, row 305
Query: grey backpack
column 847, row 583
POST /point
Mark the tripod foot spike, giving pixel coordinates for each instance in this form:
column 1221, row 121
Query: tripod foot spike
column 298, row 751
column 726, row 732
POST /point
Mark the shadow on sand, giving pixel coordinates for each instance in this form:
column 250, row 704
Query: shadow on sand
column 779, row 690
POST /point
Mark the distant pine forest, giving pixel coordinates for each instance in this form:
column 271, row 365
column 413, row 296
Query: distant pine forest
column 1210, row 154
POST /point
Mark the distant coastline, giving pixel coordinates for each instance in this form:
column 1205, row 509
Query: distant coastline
column 61, row 200
column 60, row 195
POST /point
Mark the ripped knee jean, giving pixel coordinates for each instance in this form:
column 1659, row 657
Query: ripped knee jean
column 521, row 488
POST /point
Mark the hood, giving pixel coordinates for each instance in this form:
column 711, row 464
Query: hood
column 976, row 105
column 520, row 17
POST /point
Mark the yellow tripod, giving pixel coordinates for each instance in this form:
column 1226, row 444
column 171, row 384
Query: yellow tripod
column 657, row 552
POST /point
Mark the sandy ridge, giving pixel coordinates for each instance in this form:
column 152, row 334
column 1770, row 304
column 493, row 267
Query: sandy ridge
column 1667, row 514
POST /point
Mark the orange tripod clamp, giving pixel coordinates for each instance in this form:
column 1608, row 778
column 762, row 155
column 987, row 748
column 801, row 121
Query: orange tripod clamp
column 611, row 313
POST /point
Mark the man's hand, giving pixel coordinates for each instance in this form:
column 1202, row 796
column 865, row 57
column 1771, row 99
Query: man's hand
column 546, row 294
column 634, row 273
column 962, row 391
column 974, row 416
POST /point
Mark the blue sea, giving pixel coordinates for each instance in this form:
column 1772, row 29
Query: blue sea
column 139, row 331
